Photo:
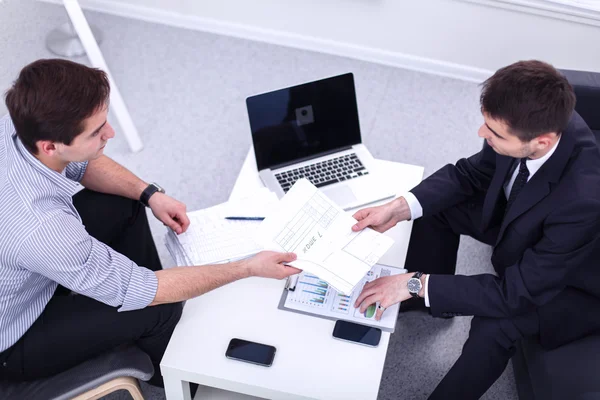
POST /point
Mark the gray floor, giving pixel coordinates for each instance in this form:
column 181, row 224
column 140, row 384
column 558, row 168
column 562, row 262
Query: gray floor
column 185, row 91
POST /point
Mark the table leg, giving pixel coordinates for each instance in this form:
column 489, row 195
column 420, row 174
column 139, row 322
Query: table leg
column 176, row 389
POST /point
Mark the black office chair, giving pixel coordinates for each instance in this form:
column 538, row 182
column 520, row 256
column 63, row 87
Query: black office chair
column 116, row 370
column 571, row 371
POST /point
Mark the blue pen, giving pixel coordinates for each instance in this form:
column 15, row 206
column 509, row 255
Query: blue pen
column 245, row 218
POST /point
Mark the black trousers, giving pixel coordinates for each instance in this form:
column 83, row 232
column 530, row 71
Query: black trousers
column 73, row 329
column 433, row 249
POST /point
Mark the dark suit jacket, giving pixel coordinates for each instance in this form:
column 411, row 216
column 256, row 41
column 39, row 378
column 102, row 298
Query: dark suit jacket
column 547, row 252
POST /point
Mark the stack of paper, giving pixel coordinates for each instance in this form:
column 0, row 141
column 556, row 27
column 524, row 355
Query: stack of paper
column 212, row 239
column 320, row 233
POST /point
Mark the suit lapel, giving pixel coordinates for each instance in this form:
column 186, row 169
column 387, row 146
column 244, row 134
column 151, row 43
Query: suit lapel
column 539, row 185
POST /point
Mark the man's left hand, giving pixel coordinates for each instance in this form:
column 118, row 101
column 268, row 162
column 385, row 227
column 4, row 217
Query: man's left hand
column 170, row 212
column 388, row 291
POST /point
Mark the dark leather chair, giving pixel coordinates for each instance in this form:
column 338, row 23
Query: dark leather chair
column 115, row 370
column 571, row 371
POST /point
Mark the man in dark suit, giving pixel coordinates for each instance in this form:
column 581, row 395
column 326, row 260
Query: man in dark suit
column 533, row 193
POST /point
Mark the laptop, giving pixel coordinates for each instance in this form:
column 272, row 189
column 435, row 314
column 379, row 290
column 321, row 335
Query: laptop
column 312, row 131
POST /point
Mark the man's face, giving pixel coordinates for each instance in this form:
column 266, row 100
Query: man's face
column 89, row 144
column 497, row 135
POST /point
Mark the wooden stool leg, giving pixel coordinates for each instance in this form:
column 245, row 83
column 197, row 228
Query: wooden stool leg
column 123, row 383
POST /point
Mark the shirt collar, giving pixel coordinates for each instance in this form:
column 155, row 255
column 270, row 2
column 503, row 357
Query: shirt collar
column 534, row 165
column 64, row 184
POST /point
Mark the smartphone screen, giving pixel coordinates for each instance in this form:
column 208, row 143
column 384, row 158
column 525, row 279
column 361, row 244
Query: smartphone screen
column 362, row 334
column 255, row 353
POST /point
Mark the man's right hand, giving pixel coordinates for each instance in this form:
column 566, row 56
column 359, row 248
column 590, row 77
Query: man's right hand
column 382, row 218
column 270, row 264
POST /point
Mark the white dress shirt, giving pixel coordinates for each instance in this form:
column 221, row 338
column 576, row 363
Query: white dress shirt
column 416, row 210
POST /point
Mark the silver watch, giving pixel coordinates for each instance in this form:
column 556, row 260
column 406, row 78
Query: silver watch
column 415, row 285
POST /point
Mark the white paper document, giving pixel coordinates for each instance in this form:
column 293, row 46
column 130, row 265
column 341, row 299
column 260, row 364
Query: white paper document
column 312, row 295
column 309, row 224
column 211, row 238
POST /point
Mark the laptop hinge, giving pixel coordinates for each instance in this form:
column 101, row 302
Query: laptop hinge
column 299, row 160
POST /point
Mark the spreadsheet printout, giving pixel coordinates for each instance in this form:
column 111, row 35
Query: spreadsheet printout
column 309, row 224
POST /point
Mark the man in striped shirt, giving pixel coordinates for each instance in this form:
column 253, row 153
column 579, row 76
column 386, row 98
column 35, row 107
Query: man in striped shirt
column 96, row 243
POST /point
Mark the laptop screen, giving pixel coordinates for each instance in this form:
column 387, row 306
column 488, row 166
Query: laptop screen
column 305, row 121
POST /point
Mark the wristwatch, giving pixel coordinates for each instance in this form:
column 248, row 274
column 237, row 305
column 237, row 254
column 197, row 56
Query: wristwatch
column 149, row 191
column 414, row 284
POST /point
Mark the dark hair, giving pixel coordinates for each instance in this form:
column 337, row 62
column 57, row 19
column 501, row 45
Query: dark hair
column 51, row 98
column 531, row 97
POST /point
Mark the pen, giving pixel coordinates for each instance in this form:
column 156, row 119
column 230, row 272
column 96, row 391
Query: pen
column 245, row 218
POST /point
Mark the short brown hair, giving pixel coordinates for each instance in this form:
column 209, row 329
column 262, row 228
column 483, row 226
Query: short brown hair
column 531, row 97
column 51, row 98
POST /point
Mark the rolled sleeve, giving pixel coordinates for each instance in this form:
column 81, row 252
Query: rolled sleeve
column 141, row 290
column 62, row 250
column 76, row 170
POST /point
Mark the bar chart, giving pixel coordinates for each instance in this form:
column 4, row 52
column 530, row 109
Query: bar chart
column 310, row 290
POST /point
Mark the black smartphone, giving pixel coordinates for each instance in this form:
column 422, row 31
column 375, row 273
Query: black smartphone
column 349, row 331
column 252, row 352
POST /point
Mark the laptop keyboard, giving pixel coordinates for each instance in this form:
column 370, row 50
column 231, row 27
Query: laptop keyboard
column 325, row 172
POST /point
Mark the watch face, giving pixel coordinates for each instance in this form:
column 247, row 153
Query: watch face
column 160, row 189
column 414, row 285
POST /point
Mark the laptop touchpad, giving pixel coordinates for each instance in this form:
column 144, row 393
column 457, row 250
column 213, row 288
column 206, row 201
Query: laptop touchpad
column 341, row 194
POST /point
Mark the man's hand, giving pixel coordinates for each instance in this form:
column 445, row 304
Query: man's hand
column 269, row 264
column 388, row 291
column 170, row 212
column 383, row 217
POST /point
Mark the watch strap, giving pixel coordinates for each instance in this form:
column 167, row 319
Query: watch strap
column 147, row 193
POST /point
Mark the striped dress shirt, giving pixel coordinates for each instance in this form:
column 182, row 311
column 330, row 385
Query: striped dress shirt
column 43, row 243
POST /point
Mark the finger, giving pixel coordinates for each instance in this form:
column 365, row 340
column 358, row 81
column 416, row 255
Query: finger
column 286, row 257
column 374, row 298
column 171, row 223
column 362, row 224
column 183, row 220
column 361, row 214
column 381, row 307
column 364, row 294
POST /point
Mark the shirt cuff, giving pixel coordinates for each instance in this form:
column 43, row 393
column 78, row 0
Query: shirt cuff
column 416, row 210
column 141, row 291
column 427, row 290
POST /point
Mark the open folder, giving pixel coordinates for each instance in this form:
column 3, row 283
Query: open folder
column 306, row 293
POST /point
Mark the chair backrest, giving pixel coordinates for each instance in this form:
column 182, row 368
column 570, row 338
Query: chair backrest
column 587, row 89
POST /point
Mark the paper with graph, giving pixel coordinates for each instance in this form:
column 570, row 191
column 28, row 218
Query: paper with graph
column 309, row 224
column 314, row 296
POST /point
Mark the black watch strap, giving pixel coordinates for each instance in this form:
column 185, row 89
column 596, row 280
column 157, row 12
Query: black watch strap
column 148, row 192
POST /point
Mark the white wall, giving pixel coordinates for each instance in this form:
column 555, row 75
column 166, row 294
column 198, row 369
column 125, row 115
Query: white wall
column 466, row 39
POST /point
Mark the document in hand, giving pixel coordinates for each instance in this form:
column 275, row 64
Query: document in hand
column 211, row 238
column 309, row 224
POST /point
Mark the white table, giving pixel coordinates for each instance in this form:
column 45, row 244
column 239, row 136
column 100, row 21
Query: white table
column 309, row 363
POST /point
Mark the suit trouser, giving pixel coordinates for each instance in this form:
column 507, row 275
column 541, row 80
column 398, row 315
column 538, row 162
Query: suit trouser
column 433, row 249
column 72, row 329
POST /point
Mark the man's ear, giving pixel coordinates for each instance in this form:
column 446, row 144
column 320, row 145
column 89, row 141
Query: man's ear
column 46, row 147
column 544, row 141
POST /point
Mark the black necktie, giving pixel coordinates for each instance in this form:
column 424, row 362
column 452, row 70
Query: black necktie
column 521, row 180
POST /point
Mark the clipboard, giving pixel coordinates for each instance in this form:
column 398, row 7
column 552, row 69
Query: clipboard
column 306, row 294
